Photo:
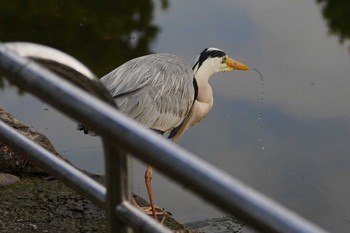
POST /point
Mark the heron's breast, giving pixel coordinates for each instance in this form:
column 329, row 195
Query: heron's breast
column 199, row 111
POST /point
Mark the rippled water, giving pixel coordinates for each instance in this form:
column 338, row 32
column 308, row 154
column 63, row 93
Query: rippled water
column 286, row 136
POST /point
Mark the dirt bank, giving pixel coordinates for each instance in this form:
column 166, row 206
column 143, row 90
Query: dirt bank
column 34, row 201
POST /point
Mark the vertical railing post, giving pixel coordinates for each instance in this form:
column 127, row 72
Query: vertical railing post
column 118, row 184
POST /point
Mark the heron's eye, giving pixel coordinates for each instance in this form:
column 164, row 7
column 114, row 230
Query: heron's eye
column 224, row 59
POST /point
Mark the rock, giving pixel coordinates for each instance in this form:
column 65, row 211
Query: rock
column 7, row 179
column 13, row 162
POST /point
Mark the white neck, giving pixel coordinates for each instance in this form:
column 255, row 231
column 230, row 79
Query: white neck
column 205, row 93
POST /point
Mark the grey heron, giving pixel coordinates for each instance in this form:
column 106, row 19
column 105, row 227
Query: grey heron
column 165, row 94
column 160, row 91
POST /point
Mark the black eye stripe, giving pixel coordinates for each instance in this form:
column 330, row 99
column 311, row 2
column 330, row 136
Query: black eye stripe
column 206, row 53
column 216, row 53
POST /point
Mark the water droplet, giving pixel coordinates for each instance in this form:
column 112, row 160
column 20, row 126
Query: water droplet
column 260, row 116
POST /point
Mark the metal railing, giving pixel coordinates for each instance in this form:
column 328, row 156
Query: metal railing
column 120, row 136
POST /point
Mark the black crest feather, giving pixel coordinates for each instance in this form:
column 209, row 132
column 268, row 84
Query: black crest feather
column 206, row 53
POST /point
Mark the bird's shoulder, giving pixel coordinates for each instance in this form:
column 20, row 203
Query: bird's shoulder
column 156, row 90
column 160, row 71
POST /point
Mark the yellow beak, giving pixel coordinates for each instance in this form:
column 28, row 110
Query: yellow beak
column 236, row 65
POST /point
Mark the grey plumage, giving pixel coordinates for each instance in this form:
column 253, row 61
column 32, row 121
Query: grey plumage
column 163, row 93
column 155, row 90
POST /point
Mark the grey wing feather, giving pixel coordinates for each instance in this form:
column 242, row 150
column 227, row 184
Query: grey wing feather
column 155, row 90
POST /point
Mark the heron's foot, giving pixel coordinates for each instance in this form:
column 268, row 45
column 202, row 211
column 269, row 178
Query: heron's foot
column 148, row 210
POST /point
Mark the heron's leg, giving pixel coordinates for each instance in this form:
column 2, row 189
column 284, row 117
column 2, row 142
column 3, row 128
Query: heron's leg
column 148, row 181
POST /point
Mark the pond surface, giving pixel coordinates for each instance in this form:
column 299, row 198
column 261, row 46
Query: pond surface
column 287, row 137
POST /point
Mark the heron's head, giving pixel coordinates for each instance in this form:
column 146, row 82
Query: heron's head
column 213, row 60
